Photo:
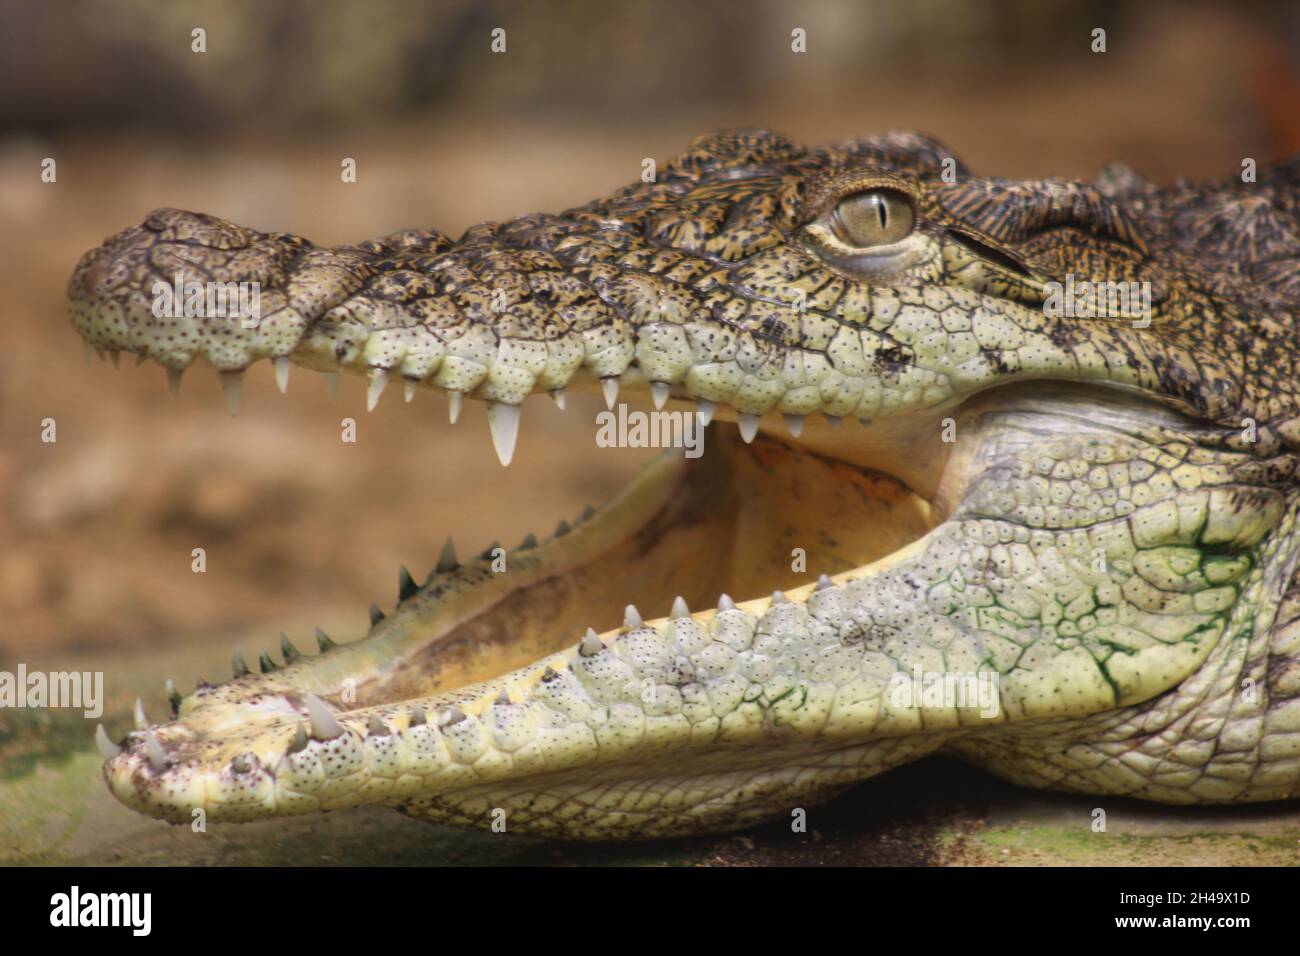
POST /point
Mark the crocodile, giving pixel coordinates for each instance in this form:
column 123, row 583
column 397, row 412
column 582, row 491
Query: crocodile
column 1060, row 544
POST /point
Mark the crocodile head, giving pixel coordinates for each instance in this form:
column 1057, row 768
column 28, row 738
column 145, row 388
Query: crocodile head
column 1054, row 536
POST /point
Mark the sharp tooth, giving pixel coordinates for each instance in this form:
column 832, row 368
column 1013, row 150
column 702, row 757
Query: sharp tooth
column 418, row 719
column 375, row 727
column 489, row 550
column 290, row 652
column 405, row 585
column 823, row 582
column 610, row 387
column 454, row 401
column 139, row 358
column 562, row 528
column 323, row 724
column 503, row 698
column 864, row 422
column 748, row 426
column 704, row 409
column 173, row 697
column 174, row 381
column 778, row 597
column 141, row 721
column 107, row 749
column 281, row 365
column 88, row 354
column 102, row 356
column 299, row 742
column 331, row 385
column 157, row 756
column 376, row 615
column 659, row 392
column 590, row 644
column 323, row 641
column 529, row 543
column 451, row 716
column 503, row 419
column 557, row 396
column 243, row 763
column 115, row 357
column 679, row 607
column 632, row 617
column 835, row 421
column 794, row 425
column 233, row 384
column 378, row 382
column 408, row 391
column 447, row 561
column 725, row 603
column 265, row 663
column 237, row 663
column 587, row 512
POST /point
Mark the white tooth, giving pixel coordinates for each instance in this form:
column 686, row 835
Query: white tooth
column 332, row 385
column 659, row 391
column 631, row 617
column 778, row 597
column 141, row 721
column 590, row 643
column 87, row 353
column 107, row 749
column 725, row 603
column 503, row 419
column 378, row 382
column 408, row 391
column 557, row 396
column 679, row 607
column 323, row 724
column 281, row 365
column 454, row 402
column 704, row 409
column 835, row 421
column 610, row 387
column 157, row 756
column 823, row 582
column 173, row 382
column 794, row 424
column 233, row 383
column 139, row 358
column 748, row 426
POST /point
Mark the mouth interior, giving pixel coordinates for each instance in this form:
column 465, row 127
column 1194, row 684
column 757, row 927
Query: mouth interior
column 742, row 520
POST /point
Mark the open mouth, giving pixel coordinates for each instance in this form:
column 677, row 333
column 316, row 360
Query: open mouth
column 747, row 524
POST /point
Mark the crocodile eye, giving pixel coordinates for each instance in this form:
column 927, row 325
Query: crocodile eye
column 875, row 217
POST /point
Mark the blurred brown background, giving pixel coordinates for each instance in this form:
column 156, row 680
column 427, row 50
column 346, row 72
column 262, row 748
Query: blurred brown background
column 301, row 529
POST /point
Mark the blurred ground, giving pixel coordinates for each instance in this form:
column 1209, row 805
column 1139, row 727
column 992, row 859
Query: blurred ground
column 302, row 530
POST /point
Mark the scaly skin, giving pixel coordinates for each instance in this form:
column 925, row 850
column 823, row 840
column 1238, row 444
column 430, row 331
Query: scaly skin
column 1098, row 511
